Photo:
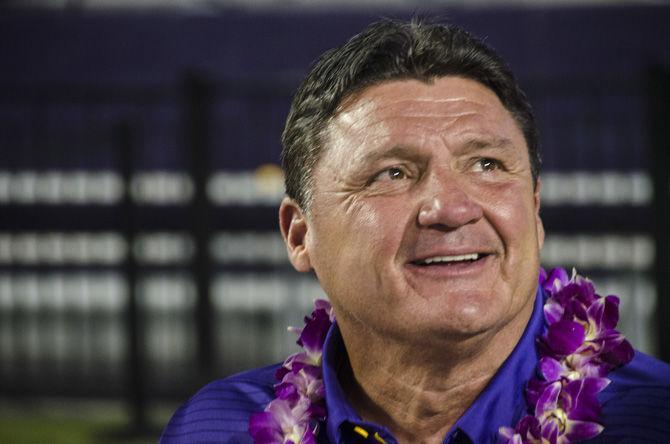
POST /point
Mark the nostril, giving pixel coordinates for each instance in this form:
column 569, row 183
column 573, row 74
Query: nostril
column 449, row 211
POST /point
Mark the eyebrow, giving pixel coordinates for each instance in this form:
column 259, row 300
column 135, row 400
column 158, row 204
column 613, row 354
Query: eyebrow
column 400, row 151
column 479, row 143
column 407, row 152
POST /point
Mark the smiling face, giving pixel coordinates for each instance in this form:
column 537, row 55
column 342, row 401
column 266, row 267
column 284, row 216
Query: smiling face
column 424, row 219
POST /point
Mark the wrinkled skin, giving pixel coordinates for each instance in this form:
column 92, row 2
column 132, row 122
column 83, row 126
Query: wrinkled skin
column 411, row 171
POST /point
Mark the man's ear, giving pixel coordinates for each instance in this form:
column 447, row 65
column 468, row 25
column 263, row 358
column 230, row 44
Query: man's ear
column 293, row 226
column 538, row 220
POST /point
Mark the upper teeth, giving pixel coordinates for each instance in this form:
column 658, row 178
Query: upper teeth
column 461, row 257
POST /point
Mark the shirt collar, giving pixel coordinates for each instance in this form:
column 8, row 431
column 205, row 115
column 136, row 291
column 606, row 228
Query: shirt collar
column 501, row 403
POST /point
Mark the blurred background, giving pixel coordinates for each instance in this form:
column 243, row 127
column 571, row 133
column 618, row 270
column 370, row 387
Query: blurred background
column 139, row 183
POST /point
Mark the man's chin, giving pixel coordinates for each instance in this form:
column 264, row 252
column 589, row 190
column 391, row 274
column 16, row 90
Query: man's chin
column 446, row 326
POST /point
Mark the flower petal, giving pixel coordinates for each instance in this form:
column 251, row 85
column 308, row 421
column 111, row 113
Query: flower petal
column 553, row 311
column 564, row 337
column 529, row 426
column 550, row 432
column 322, row 304
column 555, row 280
column 550, row 368
column 548, row 399
column 308, row 437
column 581, row 430
column 611, row 312
column 618, row 355
column 286, row 391
column 506, row 433
column 586, row 292
column 264, row 429
column 314, row 332
column 604, row 312
column 534, row 389
column 579, row 398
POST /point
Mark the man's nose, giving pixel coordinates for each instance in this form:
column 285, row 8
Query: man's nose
column 448, row 204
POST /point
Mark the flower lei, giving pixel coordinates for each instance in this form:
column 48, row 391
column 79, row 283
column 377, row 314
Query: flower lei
column 579, row 346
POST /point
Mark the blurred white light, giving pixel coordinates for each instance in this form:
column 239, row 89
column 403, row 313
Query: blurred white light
column 163, row 247
column 249, row 247
column 167, row 293
column 5, row 186
column 264, row 186
column 602, row 188
column 60, row 187
column 63, row 291
column 259, row 291
column 162, row 188
column 22, row 187
column 605, row 251
column 6, row 292
column 105, row 248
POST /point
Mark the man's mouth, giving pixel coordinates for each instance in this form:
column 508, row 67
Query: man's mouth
column 450, row 260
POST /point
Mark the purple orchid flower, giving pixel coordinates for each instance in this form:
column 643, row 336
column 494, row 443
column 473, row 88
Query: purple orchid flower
column 553, row 281
column 314, row 333
column 311, row 338
column 528, row 430
column 300, row 392
column 573, row 367
column 582, row 330
column 322, row 304
column 282, row 422
column 304, row 383
column 569, row 298
column 569, row 413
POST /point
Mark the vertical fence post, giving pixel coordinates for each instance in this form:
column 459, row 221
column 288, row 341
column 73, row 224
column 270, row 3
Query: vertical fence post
column 659, row 107
column 126, row 139
column 198, row 110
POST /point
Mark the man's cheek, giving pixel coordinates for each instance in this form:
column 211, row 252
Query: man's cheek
column 364, row 213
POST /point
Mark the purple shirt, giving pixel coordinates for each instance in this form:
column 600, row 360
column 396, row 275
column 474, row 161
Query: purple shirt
column 636, row 405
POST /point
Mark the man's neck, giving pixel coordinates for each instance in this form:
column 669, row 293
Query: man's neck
column 416, row 396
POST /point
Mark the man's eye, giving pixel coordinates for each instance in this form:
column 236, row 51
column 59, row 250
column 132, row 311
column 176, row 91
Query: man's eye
column 487, row 164
column 393, row 173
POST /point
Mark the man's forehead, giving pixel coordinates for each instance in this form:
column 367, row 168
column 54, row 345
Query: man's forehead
column 441, row 98
column 423, row 107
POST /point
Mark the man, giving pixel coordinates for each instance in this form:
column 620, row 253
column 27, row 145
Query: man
column 413, row 193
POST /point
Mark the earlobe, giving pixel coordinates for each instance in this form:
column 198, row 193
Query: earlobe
column 294, row 230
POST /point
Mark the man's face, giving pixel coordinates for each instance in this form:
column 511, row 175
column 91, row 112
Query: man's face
column 424, row 218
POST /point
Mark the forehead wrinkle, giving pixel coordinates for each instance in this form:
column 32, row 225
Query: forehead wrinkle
column 348, row 156
column 439, row 123
column 350, row 121
column 433, row 102
column 489, row 141
column 424, row 112
column 359, row 110
column 400, row 151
